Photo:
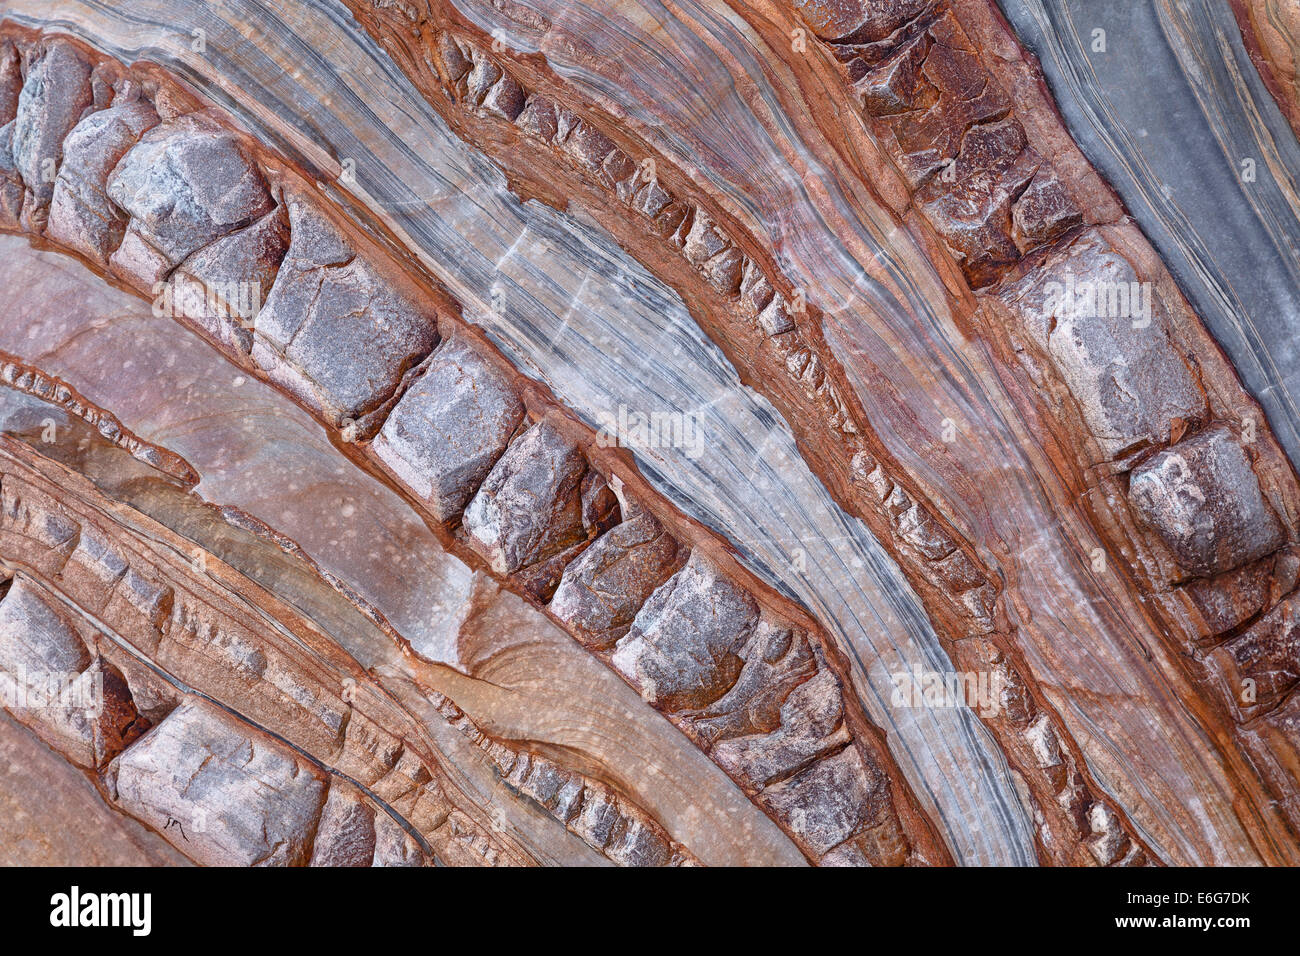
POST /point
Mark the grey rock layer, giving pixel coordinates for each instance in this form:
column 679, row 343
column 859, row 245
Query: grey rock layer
column 683, row 648
column 530, row 504
column 347, row 333
column 1084, row 309
column 82, row 217
column 449, row 428
column 1204, row 500
column 220, row 797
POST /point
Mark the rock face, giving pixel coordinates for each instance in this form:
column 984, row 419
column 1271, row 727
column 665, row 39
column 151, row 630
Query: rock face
column 683, row 648
column 332, row 328
column 82, row 217
column 1203, row 498
column 77, row 704
column 530, row 505
column 219, row 796
column 1108, row 338
column 449, row 428
column 54, row 96
column 40, row 657
column 601, row 592
column 356, row 581
column 184, row 184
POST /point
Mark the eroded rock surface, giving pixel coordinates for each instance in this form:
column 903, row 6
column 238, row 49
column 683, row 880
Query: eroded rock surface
column 449, row 428
column 223, row 798
column 1204, row 500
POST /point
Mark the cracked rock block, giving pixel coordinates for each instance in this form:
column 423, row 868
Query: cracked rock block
column 54, row 97
column 530, row 505
column 450, row 427
column 1203, row 498
column 949, row 96
column 333, row 329
column 353, row 833
column 832, row 801
column 777, row 660
column 82, row 707
column 184, row 184
column 922, row 531
column 346, row 833
column 220, row 796
column 1108, row 339
column 394, row 846
column 223, row 285
column 1043, row 212
column 41, row 657
column 601, row 592
column 683, row 650
column 82, row 217
column 11, row 183
column 982, row 187
column 806, row 724
column 1262, row 665
column 859, row 21
column 1228, row 600
column 973, row 210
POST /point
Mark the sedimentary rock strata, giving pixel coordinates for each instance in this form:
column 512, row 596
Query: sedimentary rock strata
column 1269, row 28
column 1060, row 471
column 189, row 184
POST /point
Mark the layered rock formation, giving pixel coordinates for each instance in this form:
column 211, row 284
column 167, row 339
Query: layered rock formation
column 1107, row 553
column 1270, row 29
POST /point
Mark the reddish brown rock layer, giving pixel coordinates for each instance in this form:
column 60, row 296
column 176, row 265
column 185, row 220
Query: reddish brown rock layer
column 544, row 133
column 347, row 330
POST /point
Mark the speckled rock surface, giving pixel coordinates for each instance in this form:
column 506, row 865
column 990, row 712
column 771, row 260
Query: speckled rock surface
column 1204, row 500
column 449, row 428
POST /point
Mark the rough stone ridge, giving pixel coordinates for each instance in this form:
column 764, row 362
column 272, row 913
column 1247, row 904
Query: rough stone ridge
column 530, row 504
column 82, row 217
column 221, row 796
column 450, row 427
column 333, row 329
column 1203, row 498
column 683, row 648
column 186, row 183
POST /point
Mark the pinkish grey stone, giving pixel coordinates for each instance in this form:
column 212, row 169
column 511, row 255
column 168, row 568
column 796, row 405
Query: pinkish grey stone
column 450, row 427
column 184, row 184
column 82, row 217
column 530, row 505
column 601, row 592
column 333, row 329
column 1203, row 498
column 683, row 650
